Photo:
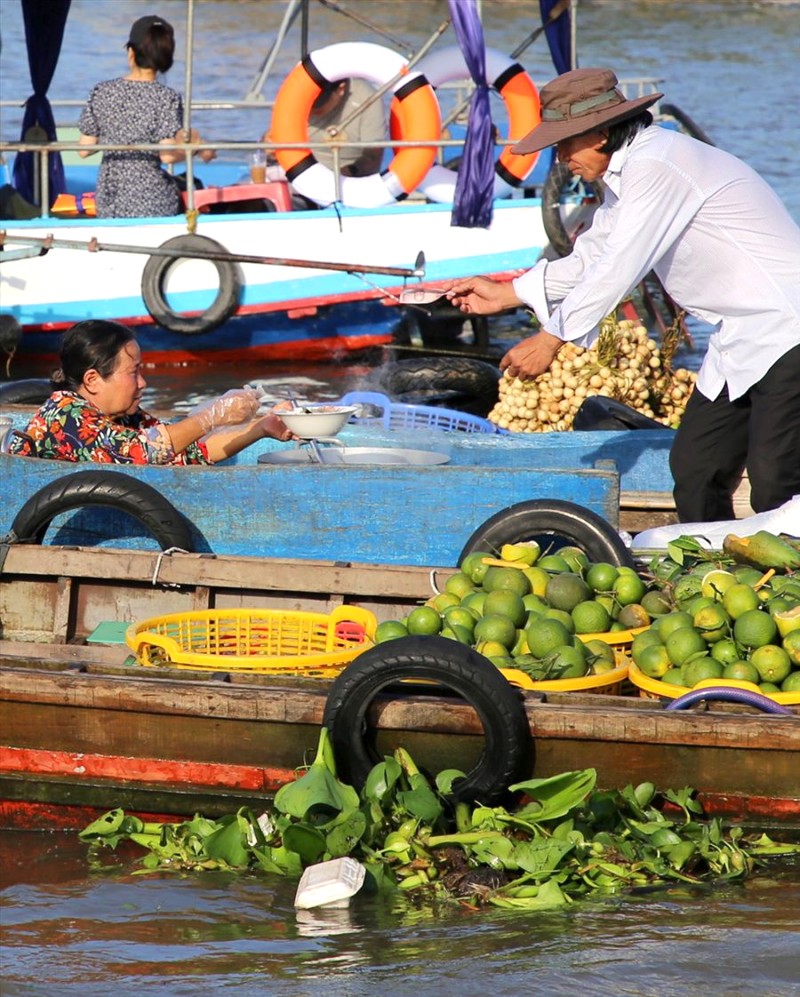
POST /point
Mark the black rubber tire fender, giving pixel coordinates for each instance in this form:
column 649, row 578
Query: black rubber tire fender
column 541, row 519
column 507, row 753
column 155, row 274
column 559, row 177
column 28, row 391
column 102, row 488
column 462, row 383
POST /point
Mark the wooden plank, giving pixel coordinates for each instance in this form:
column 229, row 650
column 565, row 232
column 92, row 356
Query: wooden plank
column 338, row 513
column 221, row 571
column 282, row 703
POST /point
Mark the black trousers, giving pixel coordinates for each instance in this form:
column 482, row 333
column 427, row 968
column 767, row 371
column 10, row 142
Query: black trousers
column 717, row 440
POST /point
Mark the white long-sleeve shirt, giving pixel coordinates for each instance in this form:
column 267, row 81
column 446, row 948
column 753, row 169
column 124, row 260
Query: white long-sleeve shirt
column 716, row 234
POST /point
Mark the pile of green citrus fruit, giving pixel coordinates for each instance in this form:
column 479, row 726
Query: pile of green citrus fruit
column 726, row 623
column 535, row 612
column 540, row 612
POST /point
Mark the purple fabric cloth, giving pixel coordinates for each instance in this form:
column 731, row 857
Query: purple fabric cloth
column 472, row 202
column 559, row 36
column 44, row 32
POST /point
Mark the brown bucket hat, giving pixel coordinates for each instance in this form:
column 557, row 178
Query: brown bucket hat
column 580, row 101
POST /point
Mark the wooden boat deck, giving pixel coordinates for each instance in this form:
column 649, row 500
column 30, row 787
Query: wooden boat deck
column 82, row 728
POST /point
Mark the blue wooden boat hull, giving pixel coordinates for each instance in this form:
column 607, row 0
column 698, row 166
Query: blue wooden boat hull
column 391, row 514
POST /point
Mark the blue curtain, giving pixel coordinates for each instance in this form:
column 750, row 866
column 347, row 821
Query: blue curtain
column 559, row 37
column 44, row 31
column 472, row 201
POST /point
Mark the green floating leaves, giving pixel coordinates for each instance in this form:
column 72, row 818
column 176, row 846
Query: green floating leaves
column 566, row 841
column 317, row 795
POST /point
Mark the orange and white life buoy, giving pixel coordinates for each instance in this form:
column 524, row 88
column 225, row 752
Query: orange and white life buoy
column 521, row 99
column 415, row 117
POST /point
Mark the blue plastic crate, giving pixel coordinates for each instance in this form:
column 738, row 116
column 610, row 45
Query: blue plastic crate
column 380, row 410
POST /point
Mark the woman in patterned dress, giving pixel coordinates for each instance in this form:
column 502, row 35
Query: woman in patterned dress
column 94, row 412
column 138, row 109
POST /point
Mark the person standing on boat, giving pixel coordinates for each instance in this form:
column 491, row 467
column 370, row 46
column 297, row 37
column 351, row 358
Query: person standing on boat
column 94, row 413
column 726, row 250
column 138, row 109
column 336, row 102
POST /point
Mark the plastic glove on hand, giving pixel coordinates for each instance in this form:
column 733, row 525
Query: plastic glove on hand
column 231, row 409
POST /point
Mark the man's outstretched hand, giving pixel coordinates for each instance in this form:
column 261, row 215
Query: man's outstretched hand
column 532, row 356
column 480, row 295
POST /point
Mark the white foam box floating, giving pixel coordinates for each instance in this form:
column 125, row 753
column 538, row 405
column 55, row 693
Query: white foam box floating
column 329, row 884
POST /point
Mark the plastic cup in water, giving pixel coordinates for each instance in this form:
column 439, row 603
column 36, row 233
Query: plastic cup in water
column 258, row 166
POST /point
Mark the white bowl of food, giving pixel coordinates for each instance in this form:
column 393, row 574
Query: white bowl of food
column 314, row 421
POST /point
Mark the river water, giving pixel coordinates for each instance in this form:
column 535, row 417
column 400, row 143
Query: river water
column 731, row 66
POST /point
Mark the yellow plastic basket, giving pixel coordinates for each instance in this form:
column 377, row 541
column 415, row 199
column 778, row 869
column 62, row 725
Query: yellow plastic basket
column 650, row 688
column 609, row 683
column 314, row 645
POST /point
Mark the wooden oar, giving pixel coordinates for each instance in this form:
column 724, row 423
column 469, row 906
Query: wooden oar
column 93, row 246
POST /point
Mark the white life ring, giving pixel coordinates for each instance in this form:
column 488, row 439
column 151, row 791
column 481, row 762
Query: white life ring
column 521, row 99
column 415, row 118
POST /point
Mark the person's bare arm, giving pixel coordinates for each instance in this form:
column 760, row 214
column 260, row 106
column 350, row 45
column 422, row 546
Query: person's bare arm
column 480, row 295
column 228, row 442
column 87, row 140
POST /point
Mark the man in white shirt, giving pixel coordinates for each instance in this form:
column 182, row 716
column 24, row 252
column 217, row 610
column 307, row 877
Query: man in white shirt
column 726, row 250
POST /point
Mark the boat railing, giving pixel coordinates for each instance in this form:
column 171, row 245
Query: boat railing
column 631, row 87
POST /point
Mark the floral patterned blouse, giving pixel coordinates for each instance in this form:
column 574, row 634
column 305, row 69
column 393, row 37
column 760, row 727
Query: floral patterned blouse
column 68, row 427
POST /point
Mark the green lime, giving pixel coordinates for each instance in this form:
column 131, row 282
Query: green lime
column 443, row 601
column 590, row 617
column 675, row 620
column 673, row 677
column 498, row 628
column 566, row 590
column 455, row 632
column 424, row 620
column 656, row 603
column 460, row 616
column 755, row 628
column 645, row 639
column 390, row 630
column 575, row 558
column 713, row 622
column 473, row 565
column 683, row 643
column 633, row 616
column 742, row 671
column 459, row 585
column 739, row 599
column 654, row 661
column 568, row 662
column 505, row 603
column 701, row 668
column 726, row 651
column 600, row 650
column 553, row 563
column 475, row 602
column 562, row 616
column 509, row 579
column 629, row 589
column 544, row 635
column 601, row 576
column 792, row 682
column 772, row 663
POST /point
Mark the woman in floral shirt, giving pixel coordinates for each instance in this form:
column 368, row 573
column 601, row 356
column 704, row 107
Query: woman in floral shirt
column 94, row 412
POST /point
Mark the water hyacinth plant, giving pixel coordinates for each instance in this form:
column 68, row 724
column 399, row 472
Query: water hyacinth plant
column 565, row 841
